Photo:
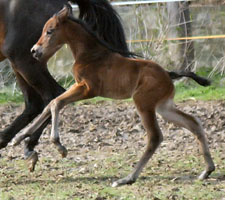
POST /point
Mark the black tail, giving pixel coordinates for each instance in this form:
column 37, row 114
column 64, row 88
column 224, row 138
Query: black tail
column 200, row 80
column 100, row 16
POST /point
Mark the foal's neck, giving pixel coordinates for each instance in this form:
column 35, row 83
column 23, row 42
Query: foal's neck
column 84, row 46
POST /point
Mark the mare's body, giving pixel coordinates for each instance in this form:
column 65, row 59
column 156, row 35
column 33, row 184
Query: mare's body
column 101, row 71
column 21, row 23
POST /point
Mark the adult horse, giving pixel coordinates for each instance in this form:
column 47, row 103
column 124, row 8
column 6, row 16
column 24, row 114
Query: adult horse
column 21, row 23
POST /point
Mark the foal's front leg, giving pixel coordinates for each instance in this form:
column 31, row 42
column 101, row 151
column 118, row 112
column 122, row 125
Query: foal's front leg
column 54, row 131
column 77, row 92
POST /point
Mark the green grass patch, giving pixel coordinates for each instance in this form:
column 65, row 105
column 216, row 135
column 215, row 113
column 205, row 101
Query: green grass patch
column 7, row 97
column 191, row 90
column 175, row 178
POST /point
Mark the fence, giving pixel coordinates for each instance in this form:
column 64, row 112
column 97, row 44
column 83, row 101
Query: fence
column 148, row 32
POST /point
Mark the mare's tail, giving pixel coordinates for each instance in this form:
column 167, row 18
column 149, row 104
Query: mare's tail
column 200, row 80
column 104, row 20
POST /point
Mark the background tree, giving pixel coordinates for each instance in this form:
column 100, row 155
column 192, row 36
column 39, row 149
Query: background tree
column 180, row 26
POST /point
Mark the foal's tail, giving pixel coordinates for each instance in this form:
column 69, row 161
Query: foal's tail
column 100, row 16
column 200, row 80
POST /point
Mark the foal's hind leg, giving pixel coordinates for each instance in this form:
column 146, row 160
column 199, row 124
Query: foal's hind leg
column 172, row 114
column 34, row 126
column 155, row 137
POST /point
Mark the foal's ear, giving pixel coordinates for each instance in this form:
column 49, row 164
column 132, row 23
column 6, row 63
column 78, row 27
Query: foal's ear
column 63, row 14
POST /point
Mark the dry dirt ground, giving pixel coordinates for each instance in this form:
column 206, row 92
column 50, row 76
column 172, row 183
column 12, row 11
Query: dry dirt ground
column 110, row 127
column 116, row 125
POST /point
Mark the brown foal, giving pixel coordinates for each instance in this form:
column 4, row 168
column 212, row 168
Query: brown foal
column 101, row 71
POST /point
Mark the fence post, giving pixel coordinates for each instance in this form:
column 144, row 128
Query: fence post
column 179, row 19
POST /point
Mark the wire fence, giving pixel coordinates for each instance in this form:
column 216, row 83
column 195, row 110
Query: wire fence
column 150, row 33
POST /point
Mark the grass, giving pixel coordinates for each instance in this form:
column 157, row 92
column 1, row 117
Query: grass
column 66, row 180
column 8, row 97
column 190, row 90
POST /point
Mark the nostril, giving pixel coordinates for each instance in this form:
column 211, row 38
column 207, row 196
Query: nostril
column 36, row 54
column 33, row 51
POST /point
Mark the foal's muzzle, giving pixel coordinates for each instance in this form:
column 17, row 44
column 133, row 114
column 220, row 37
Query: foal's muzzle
column 36, row 52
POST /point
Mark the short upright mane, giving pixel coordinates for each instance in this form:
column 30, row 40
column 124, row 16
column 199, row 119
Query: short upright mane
column 100, row 41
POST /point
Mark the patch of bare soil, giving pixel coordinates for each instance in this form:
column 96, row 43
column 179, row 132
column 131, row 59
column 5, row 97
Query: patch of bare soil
column 115, row 126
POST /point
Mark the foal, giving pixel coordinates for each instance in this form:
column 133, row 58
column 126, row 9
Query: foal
column 101, row 71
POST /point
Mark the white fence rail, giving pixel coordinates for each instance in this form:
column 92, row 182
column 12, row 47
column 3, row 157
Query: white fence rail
column 128, row 3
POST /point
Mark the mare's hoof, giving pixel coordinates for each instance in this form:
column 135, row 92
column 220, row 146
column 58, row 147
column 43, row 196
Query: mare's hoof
column 32, row 160
column 3, row 142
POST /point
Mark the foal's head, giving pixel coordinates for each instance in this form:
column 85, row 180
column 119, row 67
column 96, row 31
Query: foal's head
column 51, row 39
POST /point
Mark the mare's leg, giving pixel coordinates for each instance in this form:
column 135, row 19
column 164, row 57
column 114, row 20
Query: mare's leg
column 75, row 93
column 46, row 87
column 38, row 88
column 155, row 137
column 172, row 114
column 38, row 78
column 33, row 106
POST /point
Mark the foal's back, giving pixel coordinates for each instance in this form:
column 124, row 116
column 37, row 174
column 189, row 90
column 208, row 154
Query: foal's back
column 119, row 77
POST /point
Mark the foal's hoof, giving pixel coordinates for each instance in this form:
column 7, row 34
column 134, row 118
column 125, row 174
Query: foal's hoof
column 124, row 181
column 205, row 174
column 18, row 139
column 32, row 160
column 63, row 151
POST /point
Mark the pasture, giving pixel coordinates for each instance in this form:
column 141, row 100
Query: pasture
column 105, row 140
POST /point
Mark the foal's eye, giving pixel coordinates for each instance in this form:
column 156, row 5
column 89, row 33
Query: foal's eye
column 49, row 32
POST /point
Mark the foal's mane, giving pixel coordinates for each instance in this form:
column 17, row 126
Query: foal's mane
column 100, row 41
